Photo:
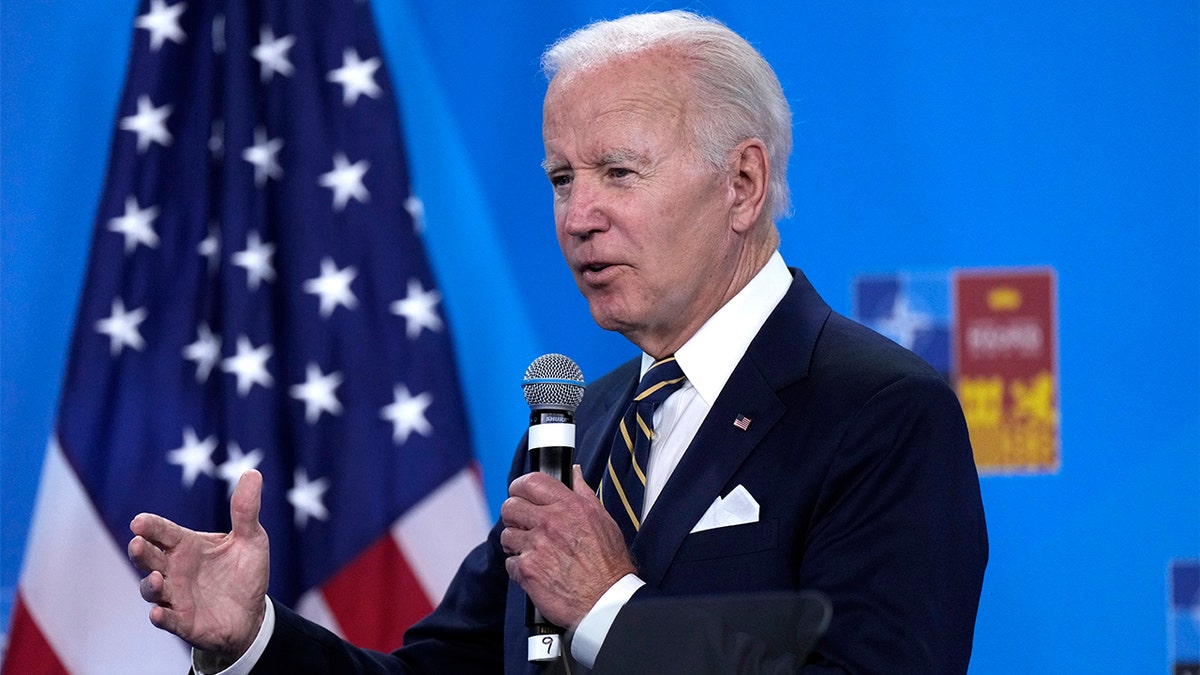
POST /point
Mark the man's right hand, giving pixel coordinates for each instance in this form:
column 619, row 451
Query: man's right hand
column 207, row 588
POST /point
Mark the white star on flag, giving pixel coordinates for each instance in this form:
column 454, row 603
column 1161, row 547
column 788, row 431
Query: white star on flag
column 263, row 156
column 136, row 225
column 249, row 365
column 205, row 351
column 418, row 309
column 318, row 393
column 256, row 259
column 149, row 123
column 333, row 286
column 237, row 464
column 218, row 34
column 416, row 210
column 306, row 496
column 162, row 21
column 194, row 456
column 272, row 53
column 356, row 76
column 216, row 138
column 121, row 327
column 210, row 247
column 407, row 414
column 346, row 181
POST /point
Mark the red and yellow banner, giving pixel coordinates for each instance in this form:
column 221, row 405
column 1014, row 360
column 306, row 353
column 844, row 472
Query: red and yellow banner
column 1006, row 363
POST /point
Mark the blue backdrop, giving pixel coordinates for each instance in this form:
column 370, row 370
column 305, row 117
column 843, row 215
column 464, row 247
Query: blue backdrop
column 927, row 137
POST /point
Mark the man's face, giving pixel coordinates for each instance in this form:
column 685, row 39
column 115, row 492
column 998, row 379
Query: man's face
column 643, row 221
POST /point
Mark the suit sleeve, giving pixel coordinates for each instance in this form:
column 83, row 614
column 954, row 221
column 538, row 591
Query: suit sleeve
column 463, row 634
column 897, row 543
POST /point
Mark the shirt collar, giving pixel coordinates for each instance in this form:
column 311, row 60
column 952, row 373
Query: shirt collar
column 709, row 357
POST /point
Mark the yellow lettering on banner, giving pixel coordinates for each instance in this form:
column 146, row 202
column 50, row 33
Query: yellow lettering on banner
column 982, row 401
column 1035, row 400
column 1017, row 432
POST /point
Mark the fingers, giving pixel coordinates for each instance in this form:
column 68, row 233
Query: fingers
column 580, row 486
column 518, row 512
column 164, row 618
column 145, row 556
column 153, row 587
column 512, row 540
column 538, row 488
column 246, row 503
column 513, row 565
column 533, row 490
column 525, row 494
column 157, row 530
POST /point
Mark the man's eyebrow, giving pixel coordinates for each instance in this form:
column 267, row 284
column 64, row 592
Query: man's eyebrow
column 620, row 156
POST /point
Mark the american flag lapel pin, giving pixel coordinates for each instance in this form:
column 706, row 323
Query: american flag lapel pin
column 742, row 422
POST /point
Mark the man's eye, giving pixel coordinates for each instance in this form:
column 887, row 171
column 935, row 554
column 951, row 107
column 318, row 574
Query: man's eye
column 560, row 180
column 619, row 172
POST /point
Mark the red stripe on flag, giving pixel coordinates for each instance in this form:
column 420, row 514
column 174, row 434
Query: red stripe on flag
column 377, row 597
column 28, row 651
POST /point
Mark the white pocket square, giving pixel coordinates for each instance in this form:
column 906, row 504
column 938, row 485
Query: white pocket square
column 735, row 508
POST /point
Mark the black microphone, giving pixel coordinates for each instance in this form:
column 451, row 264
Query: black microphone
column 553, row 387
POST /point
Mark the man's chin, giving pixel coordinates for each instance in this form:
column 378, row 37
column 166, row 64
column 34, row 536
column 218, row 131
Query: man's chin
column 608, row 324
column 609, row 320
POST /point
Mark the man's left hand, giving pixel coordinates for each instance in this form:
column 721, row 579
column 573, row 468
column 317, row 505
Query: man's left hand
column 564, row 549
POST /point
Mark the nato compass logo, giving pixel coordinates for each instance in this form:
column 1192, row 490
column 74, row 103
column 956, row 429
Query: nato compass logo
column 911, row 309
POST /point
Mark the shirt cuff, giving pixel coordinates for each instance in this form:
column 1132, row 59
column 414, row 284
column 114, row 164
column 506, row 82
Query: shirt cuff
column 593, row 628
column 248, row 660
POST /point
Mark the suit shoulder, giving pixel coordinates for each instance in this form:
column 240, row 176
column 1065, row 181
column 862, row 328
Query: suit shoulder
column 614, row 382
column 854, row 354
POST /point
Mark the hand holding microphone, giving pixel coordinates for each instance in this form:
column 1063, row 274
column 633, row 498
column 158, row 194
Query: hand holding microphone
column 564, row 549
column 553, row 387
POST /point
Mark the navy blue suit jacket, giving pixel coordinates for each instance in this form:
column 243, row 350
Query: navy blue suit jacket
column 858, row 455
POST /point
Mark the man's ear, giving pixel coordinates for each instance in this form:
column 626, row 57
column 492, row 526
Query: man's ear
column 750, row 171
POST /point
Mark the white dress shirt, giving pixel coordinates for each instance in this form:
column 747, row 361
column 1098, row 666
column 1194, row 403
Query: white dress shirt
column 707, row 360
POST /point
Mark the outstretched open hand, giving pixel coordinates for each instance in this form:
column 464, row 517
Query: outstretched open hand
column 208, row 588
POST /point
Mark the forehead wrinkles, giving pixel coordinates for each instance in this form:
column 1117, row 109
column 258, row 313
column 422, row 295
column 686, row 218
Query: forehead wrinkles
column 616, row 114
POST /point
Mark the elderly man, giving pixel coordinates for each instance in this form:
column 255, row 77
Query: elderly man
column 666, row 140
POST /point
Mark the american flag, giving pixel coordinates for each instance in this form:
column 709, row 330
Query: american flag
column 257, row 297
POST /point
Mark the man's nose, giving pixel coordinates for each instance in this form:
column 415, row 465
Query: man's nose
column 583, row 212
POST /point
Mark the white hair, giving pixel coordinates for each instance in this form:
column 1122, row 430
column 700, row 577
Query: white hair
column 739, row 94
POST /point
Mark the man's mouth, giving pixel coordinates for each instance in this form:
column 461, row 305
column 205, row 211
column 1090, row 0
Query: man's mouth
column 596, row 272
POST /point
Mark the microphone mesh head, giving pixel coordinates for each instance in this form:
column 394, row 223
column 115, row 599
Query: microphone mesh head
column 553, row 380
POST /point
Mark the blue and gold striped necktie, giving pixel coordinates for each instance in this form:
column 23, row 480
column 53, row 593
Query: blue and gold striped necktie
column 623, row 488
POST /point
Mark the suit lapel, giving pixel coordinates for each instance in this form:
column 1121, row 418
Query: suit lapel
column 778, row 356
column 716, row 452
